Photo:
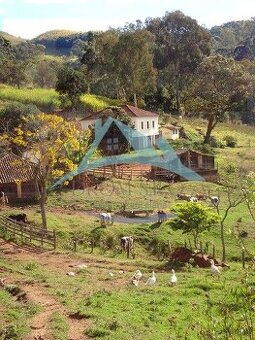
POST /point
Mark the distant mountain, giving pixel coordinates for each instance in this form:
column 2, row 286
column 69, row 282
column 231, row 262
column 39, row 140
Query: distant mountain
column 60, row 42
column 235, row 38
column 11, row 38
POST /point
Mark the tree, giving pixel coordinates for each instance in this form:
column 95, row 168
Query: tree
column 11, row 115
column 70, row 85
column 43, row 140
column 220, row 83
column 133, row 58
column 181, row 45
column 193, row 218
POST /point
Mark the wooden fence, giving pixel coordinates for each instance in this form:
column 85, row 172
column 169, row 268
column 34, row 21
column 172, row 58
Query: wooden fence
column 27, row 233
column 122, row 171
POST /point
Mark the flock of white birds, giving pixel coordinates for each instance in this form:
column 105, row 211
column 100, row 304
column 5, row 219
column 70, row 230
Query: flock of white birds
column 215, row 270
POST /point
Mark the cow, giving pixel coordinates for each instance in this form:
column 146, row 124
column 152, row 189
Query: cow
column 106, row 218
column 126, row 242
column 19, row 217
column 184, row 197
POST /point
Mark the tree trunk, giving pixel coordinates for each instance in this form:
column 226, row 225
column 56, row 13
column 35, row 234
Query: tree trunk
column 43, row 198
column 210, row 127
column 135, row 100
column 223, row 242
column 177, row 93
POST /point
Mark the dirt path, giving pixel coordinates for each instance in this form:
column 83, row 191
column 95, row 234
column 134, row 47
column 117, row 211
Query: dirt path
column 38, row 294
column 39, row 324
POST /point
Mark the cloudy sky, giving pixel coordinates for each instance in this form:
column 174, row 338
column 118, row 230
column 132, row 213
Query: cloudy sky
column 28, row 18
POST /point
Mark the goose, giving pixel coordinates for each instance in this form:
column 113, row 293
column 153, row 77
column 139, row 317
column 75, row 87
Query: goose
column 173, row 278
column 137, row 275
column 214, row 269
column 151, row 280
column 70, row 273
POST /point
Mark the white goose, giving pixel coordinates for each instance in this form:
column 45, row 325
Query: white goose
column 173, row 278
column 151, row 280
column 215, row 269
column 137, row 275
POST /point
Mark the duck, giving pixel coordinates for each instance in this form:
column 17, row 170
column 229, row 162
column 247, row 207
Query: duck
column 173, row 278
column 137, row 275
column 214, row 269
column 151, row 280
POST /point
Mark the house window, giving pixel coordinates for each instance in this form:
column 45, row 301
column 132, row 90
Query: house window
column 148, row 124
column 112, row 144
column 175, row 132
column 142, row 125
column 153, row 124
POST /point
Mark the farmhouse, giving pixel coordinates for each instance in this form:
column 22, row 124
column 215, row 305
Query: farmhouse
column 17, row 177
column 144, row 122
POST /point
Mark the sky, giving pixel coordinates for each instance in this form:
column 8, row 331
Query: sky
column 29, row 18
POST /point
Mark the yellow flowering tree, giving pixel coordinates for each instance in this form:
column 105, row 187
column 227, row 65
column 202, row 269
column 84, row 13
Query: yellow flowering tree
column 43, row 140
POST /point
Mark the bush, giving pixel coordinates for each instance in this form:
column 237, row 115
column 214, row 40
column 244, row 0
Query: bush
column 230, row 141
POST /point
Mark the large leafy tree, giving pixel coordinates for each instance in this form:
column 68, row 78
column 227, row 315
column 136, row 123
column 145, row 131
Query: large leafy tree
column 43, row 139
column 134, row 62
column 70, row 85
column 193, row 218
column 220, row 83
column 181, row 45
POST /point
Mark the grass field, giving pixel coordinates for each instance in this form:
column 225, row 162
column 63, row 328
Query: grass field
column 47, row 99
column 94, row 304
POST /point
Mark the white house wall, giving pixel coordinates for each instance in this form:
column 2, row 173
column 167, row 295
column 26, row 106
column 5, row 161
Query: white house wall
column 146, row 131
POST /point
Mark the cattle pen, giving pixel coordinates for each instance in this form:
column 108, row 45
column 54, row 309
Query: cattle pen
column 26, row 233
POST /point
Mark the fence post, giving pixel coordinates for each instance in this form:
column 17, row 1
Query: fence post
column 30, row 234
column 54, row 239
column 21, row 234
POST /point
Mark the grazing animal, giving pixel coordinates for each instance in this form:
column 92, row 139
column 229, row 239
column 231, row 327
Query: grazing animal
column 215, row 269
column 137, row 275
column 111, row 274
column 125, row 242
column 151, row 280
column 19, row 217
column 184, row 197
column 201, row 197
column 193, row 199
column 214, row 200
column 106, row 218
column 173, row 278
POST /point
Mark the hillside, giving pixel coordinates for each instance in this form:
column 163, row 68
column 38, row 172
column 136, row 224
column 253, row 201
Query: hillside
column 13, row 39
column 59, row 42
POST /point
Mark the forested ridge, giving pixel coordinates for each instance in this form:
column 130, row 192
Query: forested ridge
column 155, row 64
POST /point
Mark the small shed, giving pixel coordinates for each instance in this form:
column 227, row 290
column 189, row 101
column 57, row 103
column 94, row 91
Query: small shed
column 17, row 177
column 174, row 132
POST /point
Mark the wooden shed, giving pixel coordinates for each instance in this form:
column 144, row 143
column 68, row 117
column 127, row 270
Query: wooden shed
column 17, row 177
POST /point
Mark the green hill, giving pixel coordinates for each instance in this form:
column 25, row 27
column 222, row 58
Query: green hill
column 11, row 38
column 59, row 42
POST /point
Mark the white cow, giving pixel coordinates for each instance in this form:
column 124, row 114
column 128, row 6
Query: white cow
column 106, row 218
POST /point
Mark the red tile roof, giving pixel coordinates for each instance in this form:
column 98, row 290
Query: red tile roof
column 135, row 111
column 129, row 109
column 14, row 168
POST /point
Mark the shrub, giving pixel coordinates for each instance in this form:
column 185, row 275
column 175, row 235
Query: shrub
column 230, row 141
